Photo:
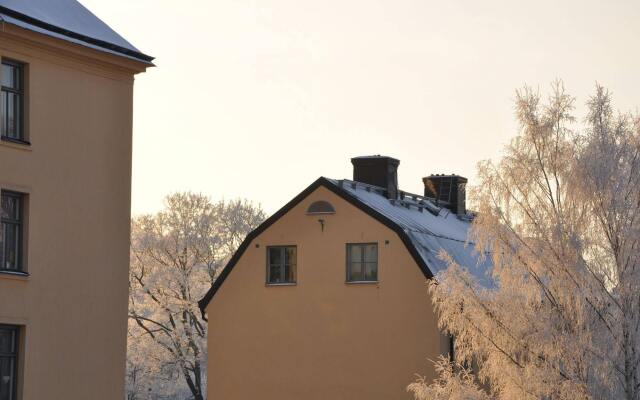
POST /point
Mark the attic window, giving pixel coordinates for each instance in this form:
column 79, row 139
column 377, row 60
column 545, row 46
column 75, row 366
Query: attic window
column 320, row 207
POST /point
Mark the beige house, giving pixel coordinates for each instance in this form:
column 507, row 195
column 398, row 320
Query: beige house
column 327, row 298
column 65, row 179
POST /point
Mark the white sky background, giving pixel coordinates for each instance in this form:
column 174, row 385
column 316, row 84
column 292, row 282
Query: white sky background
column 258, row 98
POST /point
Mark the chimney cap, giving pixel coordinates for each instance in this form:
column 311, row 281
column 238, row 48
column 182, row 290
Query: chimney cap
column 375, row 157
column 462, row 179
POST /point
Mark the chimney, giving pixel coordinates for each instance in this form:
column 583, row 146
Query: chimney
column 379, row 171
column 448, row 191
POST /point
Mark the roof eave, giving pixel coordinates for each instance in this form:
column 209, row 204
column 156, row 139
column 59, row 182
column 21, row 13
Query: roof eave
column 139, row 56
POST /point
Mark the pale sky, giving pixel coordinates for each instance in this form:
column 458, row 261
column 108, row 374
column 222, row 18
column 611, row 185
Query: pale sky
column 258, row 98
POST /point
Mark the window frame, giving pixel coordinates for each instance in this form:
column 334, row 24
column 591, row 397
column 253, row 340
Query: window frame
column 20, row 223
column 362, row 261
column 21, row 93
column 13, row 355
column 283, row 264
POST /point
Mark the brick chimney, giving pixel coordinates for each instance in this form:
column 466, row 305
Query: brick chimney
column 379, row 171
column 448, row 191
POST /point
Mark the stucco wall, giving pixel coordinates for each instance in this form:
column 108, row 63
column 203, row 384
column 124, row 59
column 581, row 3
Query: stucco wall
column 322, row 338
column 77, row 174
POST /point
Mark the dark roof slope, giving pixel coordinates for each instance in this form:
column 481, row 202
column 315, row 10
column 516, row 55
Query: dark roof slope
column 424, row 229
column 68, row 20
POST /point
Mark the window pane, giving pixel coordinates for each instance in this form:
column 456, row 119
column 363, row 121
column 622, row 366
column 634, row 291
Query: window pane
column 371, row 253
column 11, row 110
column 290, row 273
column 11, row 246
column 371, row 271
column 8, row 76
column 355, row 253
column 6, row 340
column 3, row 114
column 275, row 274
column 11, row 120
column 290, row 255
column 7, row 378
column 355, row 271
column 8, row 359
column 17, row 118
column 10, row 207
column 275, row 256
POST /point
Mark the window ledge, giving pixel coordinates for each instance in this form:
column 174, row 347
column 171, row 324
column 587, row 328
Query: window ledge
column 15, row 143
column 362, row 282
column 281, row 284
column 17, row 275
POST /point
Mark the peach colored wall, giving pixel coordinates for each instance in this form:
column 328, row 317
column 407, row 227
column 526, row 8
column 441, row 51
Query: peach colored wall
column 77, row 174
column 322, row 338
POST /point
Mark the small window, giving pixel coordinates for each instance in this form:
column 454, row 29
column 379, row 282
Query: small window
column 362, row 262
column 281, row 264
column 8, row 362
column 321, row 207
column 11, row 227
column 12, row 101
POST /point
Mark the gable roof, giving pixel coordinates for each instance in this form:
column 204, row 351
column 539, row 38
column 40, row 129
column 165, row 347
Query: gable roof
column 70, row 21
column 424, row 228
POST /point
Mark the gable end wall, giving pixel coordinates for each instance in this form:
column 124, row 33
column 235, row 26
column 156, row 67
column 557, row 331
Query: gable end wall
column 322, row 338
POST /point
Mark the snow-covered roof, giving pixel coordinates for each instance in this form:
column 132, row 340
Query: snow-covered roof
column 424, row 228
column 70, row 21
column 429, row 228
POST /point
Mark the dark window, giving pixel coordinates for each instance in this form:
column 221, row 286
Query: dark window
column 11, row 225
column 12, row 101
column 362, row 262
column 281, row 264
column 321, row 207
column 8, row 362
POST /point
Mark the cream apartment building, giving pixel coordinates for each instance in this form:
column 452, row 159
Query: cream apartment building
column 65, row 180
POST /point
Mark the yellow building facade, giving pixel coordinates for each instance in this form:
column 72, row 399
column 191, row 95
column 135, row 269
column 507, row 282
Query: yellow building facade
column 65, row 179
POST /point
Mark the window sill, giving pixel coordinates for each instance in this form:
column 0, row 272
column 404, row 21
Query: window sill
column 17, row 275
column 362, row 282
column 15, row 143
column 281, row 284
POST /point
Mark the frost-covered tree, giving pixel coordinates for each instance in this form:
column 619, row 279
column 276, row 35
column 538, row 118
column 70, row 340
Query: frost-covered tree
column 176, row 255
column 144, row 379
column 559, row 216
column 454, row 382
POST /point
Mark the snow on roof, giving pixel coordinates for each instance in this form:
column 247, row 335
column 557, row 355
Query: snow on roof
column 68, row 20
column 429, row 227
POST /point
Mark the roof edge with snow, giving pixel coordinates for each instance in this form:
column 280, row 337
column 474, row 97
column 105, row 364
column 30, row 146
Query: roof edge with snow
column 28, row 22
